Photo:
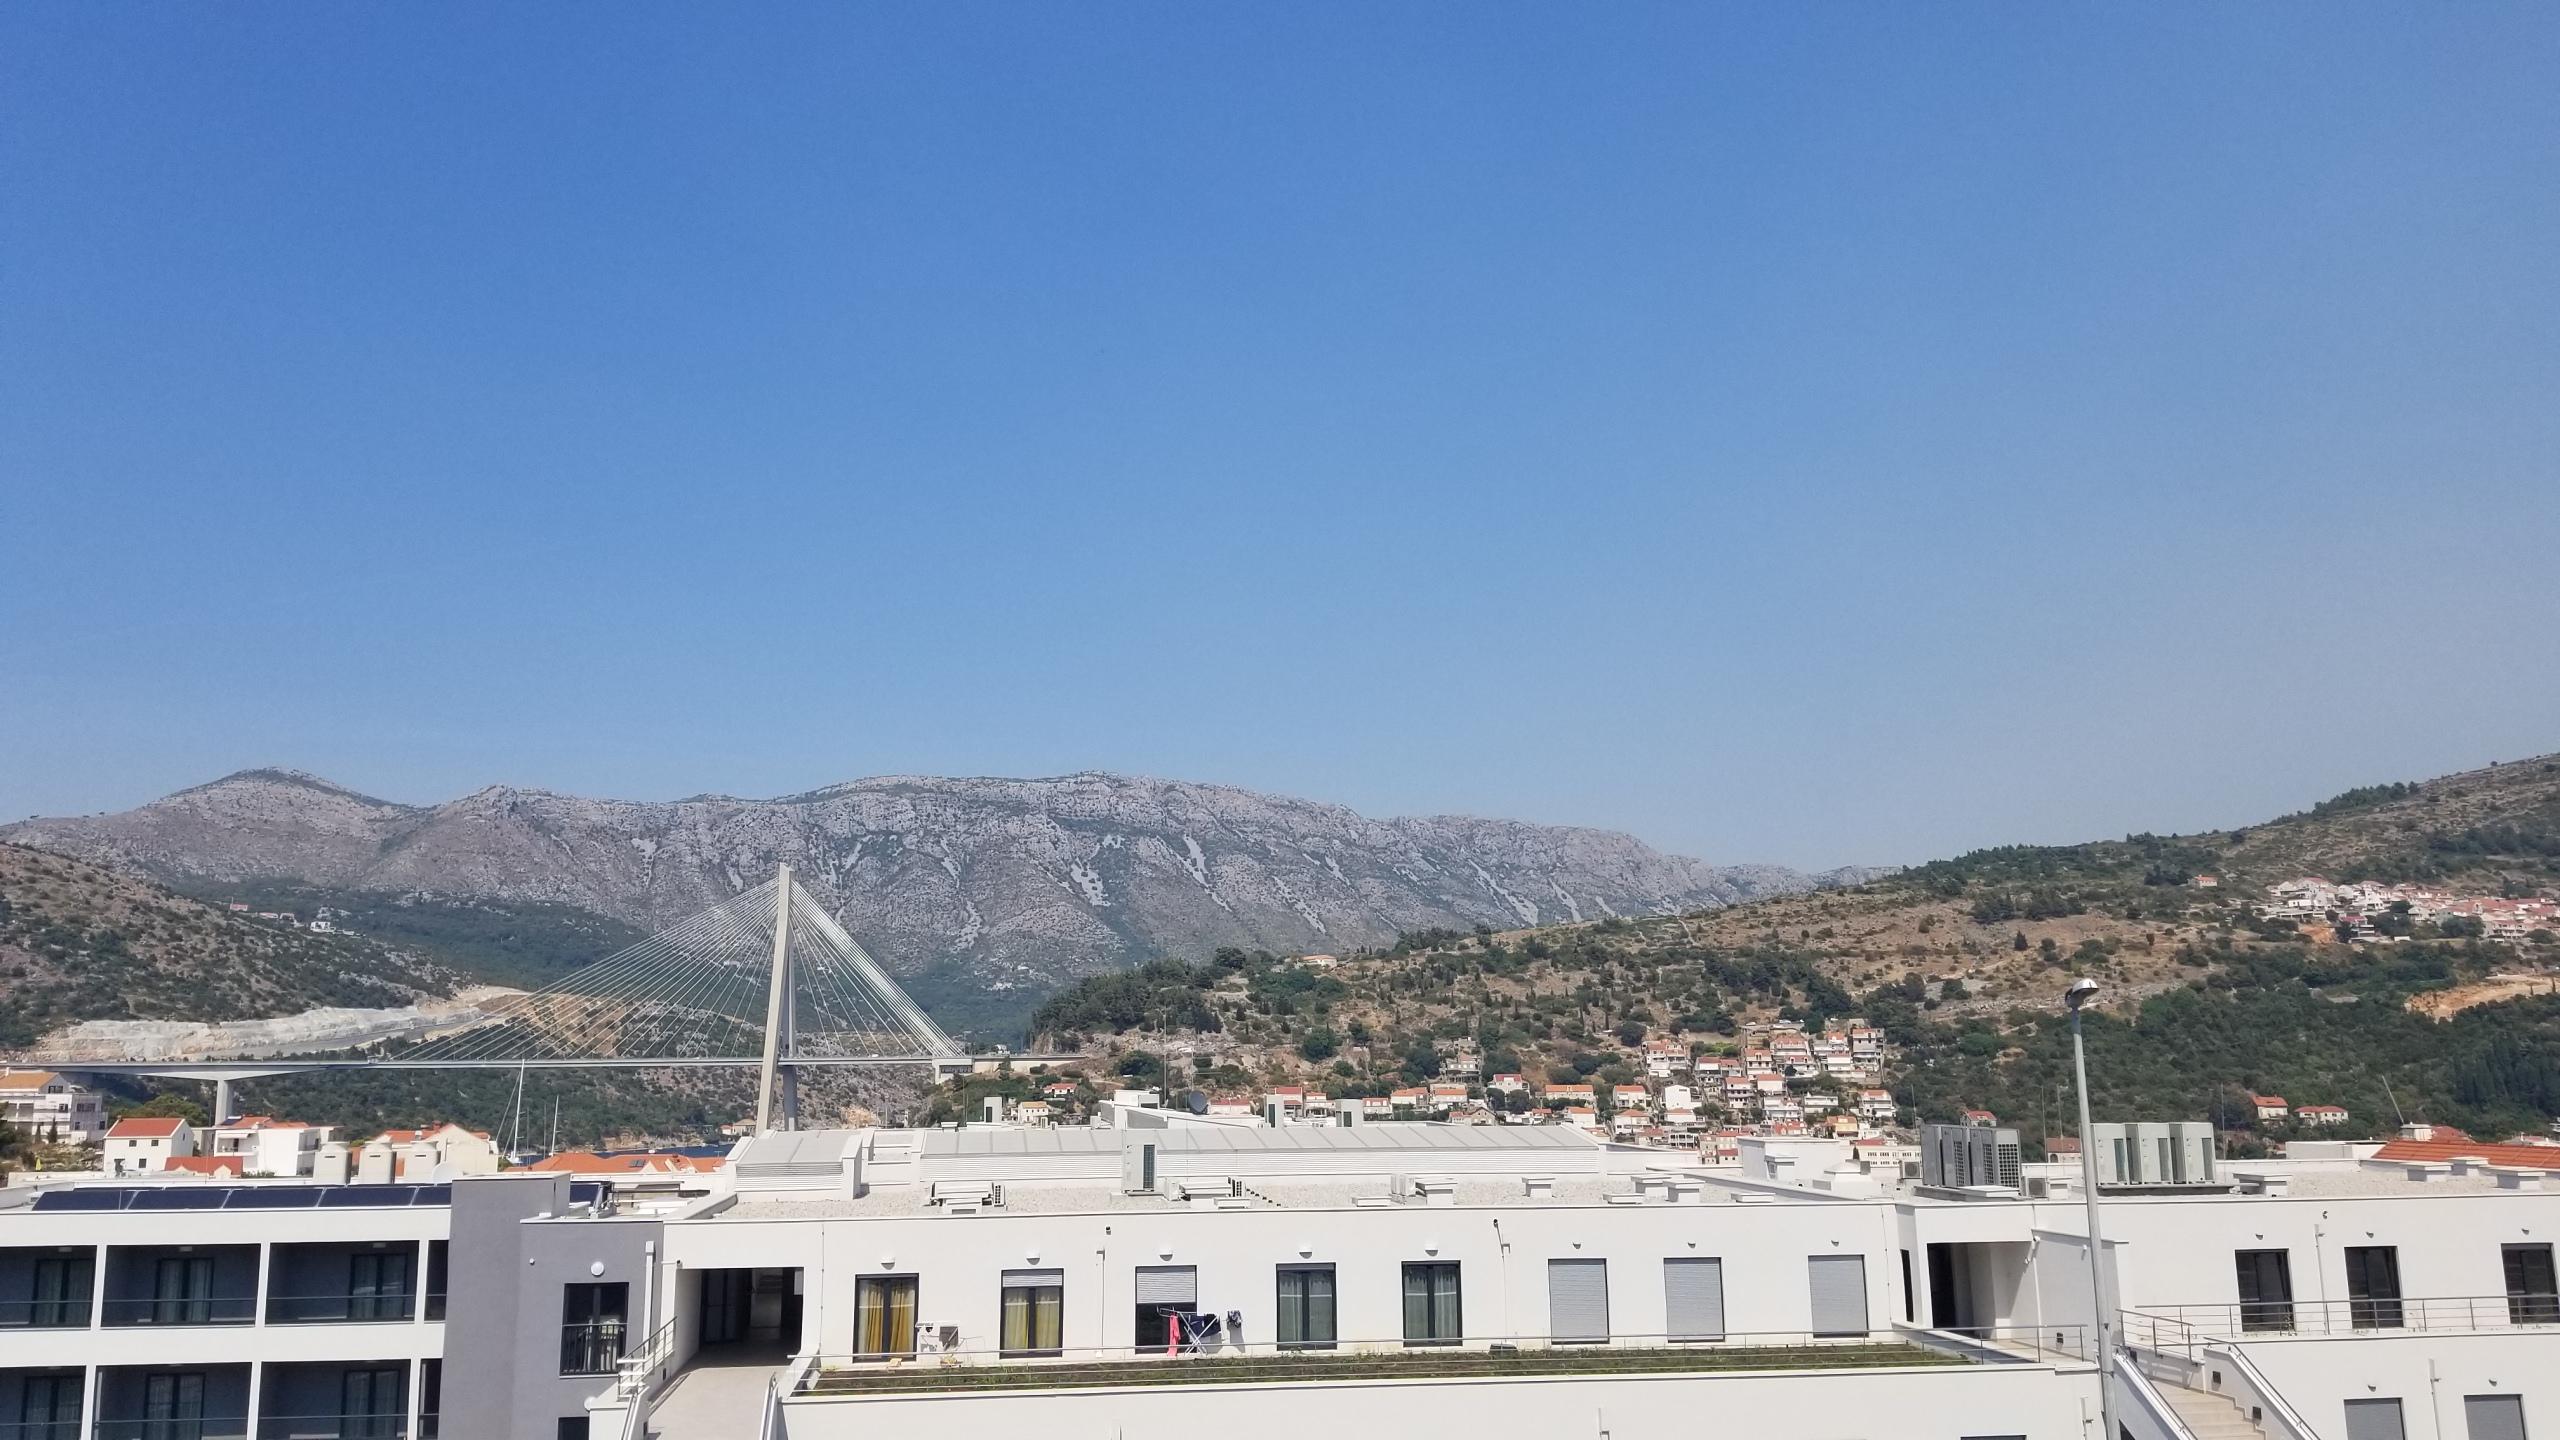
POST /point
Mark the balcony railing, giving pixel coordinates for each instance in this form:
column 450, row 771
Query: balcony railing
column 1490, row 1357
column 2169, row 1327
column 229, row 1427
column 43, row 1430
column 211, row 1310
column 333, row 1427
column 44, row 1315
column 435, row 1304
column 338, row 1309
column 593, row 1348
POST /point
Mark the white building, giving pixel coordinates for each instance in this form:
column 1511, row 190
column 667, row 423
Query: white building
column 143, row 1144
column 885, row 1282
column 270, row 1147
column 41, row 1105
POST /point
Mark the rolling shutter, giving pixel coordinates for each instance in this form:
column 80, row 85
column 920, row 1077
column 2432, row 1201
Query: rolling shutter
column 1693, row 1296
column 1839, row 1294
column 1013, row 1278
column 2374, row 1420
column 2493, row 1417
column 1578, row 1299
column 1168, row 1285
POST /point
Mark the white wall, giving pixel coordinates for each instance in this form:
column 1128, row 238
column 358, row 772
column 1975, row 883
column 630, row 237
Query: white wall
column 959, row 1259
column 1951, row 1403
column 2429, row 1374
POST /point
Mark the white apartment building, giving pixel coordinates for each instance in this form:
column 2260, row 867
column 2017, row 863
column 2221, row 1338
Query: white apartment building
column 1268, row 1282
column 42, row 1105
column 269, row 1147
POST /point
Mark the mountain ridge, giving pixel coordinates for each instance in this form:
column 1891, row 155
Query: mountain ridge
column 977, row 886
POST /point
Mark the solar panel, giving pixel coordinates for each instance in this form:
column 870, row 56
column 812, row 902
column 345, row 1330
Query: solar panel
column 443, row 1194
column 374, row 1196
column 274, row 1197
column 175, row 1200
column 80, row 1200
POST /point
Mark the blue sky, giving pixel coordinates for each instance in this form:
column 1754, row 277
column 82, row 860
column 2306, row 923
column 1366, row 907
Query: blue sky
column 1806, row 433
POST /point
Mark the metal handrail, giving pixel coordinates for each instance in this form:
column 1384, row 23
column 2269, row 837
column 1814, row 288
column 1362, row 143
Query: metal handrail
column 193, row 1310
column 2271, row 1401
column 390, row 1425
column 342, row 1307
column 641, row 1369
column 2153, row 1403
column 2443, row 1314
column 71, row 1313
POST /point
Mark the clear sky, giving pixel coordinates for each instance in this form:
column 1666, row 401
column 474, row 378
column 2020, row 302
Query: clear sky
column 1799, row 433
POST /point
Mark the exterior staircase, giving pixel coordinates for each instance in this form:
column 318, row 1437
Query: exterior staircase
column 2207, row 1415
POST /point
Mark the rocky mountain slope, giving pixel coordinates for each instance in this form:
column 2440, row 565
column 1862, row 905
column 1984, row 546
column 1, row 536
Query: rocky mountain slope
column 79, row 941
column 1963, row 963
column 970, row 887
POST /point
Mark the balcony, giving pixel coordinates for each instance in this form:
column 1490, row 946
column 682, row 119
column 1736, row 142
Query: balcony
column 341, row 1309
column 333, row 1427
column 370, row 1283
column 68, row 1314
column 184, row 1310
column 148, row 1402
column 168, row 1285
column 2174, row 1327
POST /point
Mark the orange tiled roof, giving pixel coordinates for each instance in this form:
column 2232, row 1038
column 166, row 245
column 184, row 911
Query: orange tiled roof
column 232, row 1165
column 2522, row 1157
column 144, row 1127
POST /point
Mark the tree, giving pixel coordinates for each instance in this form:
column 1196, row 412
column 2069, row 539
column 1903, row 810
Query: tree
column 1631, row 1033
column 1318, row 1044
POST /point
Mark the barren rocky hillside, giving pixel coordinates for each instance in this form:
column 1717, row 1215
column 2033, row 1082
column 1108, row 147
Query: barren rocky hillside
column 971, row 888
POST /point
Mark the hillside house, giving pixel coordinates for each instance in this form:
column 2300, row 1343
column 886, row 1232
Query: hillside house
column 2321, row 1114
column 1507, row 1084
column 1876, row 1105
column 2270, row 1107
column 145, row 1144
column 41, row 1105
column 266, row 1146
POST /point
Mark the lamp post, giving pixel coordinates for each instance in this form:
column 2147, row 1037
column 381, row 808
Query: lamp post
column 2081, row 992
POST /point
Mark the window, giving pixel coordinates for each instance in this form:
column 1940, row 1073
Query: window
column 173, row 1407
column 591, row 1327
column 61, row 1291
column 1431, row 1305
column 1839, row 1289
column 1693, row 1299
column 2373, row 1287
column 572, row 1427
column 49, row 1407
column 182, row 1291
column 2375, row 1420
column 1578, row 1301
column 1306, row 1307
column 2533, row 1295
column 378, row 1285
column 1035, row 1303
column 884, row 1315
column 372, row 1404
column 1167, row 1295
column 2493, row 1417
column 2266, row 1288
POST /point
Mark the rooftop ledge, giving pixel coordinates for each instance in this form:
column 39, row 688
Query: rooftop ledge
column 845, row 1377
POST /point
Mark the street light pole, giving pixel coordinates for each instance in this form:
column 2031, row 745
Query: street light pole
column 2079, row 994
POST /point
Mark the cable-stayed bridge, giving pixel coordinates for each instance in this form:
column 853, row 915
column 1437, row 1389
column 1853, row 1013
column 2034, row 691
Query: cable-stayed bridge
column 766, row 978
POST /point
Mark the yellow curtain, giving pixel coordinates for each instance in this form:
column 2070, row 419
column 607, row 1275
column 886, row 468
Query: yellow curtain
column 900, row 1318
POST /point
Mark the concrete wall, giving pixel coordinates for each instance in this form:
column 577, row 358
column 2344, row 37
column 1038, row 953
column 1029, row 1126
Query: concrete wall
column 507, row 1271
column 1950, row 1403
column 2428, row 1374
column 1502, row 1256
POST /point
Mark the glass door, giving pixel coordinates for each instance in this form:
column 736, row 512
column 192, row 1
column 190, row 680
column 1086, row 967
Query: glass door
column 2373, row 1287
column 2266, row 1289
column 884, row 1315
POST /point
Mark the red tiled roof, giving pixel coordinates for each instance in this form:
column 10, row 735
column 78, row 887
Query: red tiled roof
column 231, row 1165
column 2523, row 1157
column 145, row 1127
column 587, row 1162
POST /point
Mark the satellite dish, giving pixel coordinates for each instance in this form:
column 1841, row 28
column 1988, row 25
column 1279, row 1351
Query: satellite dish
column 1195, row 1102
